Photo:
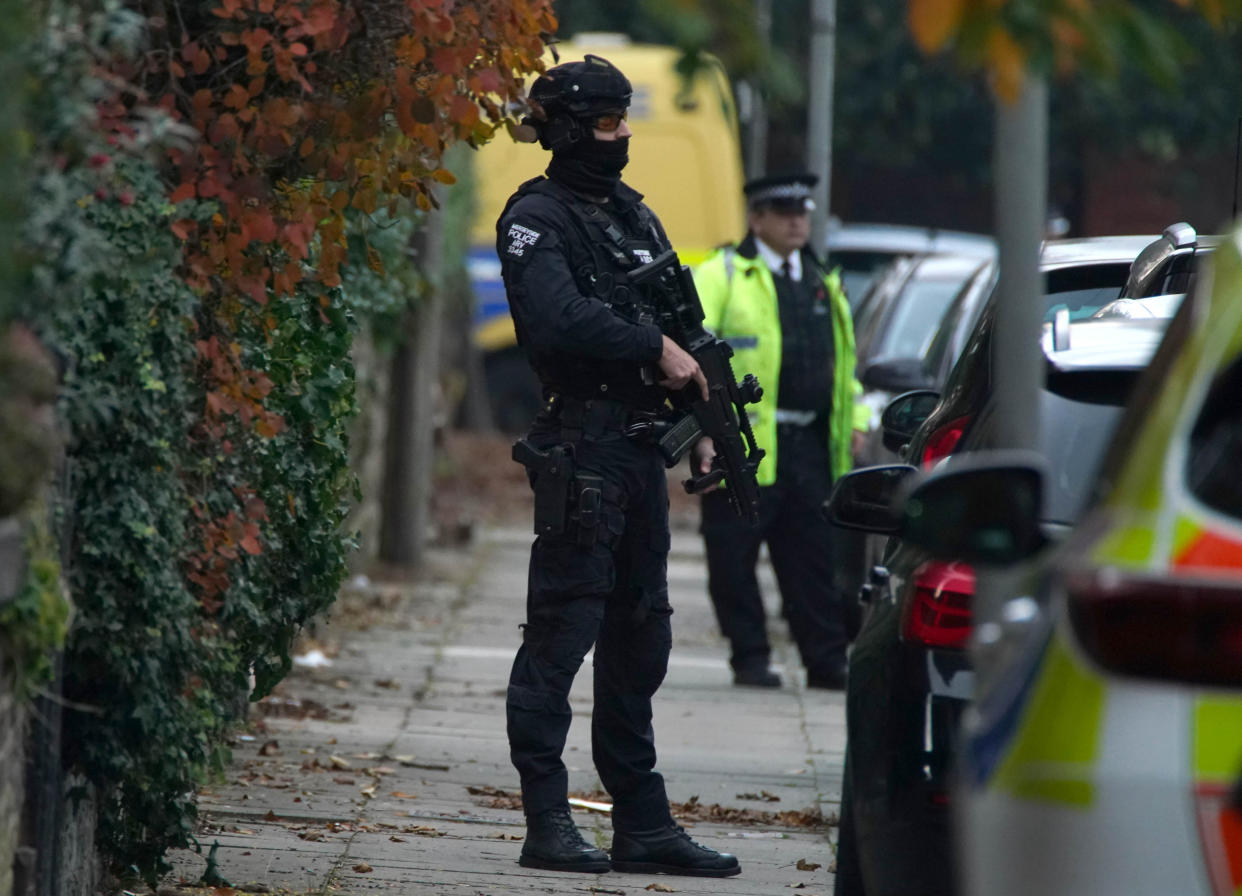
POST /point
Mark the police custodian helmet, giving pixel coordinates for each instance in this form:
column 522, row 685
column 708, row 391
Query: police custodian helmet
column 573, row 91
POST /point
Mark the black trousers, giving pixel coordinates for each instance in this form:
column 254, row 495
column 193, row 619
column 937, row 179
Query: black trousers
column 799, row 544
column 614, row 595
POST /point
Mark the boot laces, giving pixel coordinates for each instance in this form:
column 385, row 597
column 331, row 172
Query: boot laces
column 563, row 823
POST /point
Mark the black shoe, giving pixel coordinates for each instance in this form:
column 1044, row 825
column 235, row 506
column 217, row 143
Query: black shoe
column 669, row 850
column 832, row 678
column 757, row 677
column 554, row 843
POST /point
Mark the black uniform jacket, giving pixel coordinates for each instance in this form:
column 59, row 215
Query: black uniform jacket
column 563, row 261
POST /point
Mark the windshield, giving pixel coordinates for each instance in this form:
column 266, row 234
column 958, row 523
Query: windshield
column 918, row 311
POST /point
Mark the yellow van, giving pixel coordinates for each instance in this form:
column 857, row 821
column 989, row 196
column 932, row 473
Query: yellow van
column 685, row 159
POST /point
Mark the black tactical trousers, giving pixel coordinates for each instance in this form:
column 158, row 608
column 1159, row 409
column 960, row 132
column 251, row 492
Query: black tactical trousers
column 799, row 545
column 612, row 594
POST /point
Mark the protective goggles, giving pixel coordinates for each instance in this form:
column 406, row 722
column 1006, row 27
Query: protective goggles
column 607, row 121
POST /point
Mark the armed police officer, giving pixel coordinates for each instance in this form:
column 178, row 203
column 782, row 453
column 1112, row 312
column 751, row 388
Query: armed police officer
column 788, row 321
column 598, row 567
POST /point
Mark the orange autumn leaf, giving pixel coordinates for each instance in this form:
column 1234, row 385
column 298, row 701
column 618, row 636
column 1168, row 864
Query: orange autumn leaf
column 1006, row 65
column 933, row 22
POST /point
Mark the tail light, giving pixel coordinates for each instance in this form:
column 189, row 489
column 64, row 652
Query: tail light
column 1220, row 830
column 939, row 615
column 1172, row 629
column 942, row 442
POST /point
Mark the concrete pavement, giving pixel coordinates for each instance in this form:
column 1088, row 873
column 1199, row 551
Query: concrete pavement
column 388, row 770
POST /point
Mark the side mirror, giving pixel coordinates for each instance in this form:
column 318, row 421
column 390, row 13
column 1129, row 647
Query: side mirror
column 904, row 415
column 894, row 375
column 982, row 508
column 864, row 499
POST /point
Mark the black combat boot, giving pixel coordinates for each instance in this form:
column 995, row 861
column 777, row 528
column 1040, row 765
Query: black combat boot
column 553, row 843
column 669, row 850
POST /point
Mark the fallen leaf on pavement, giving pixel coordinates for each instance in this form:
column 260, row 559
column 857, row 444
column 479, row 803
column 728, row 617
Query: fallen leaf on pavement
column 387, row 683
column 421, row 830
column 693, row 810
column 499, row 799
column 404, row 796
column 344, row 781
column 660, row 888
column 339, row 762
column 804, row 865
column 271, row 816
column 369, row 792
column 269, row 748
column 313, row 836
column 395, row 839
column 762, row 796
column 363, row 868
column 798, row 886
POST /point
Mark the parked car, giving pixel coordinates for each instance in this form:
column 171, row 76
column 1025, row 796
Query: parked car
column 1103, row 754
column 909, row 675
column 863, row 250
column 896, row 320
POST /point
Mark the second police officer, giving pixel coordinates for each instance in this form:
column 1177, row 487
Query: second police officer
column 598, row 566
column 788, row 321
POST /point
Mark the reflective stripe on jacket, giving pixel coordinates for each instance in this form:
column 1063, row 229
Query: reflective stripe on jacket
column 739, row 306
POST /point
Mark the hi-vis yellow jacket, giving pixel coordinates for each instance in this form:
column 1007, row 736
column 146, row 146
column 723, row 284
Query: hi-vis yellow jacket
column 739, row 306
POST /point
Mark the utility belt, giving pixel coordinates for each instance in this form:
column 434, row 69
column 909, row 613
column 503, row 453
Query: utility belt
column 577, row 503
column 672, row 432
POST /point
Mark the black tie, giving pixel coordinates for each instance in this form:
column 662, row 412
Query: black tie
column 786, row 269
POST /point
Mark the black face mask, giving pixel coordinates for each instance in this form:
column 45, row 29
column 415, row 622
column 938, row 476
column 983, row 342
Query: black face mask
column 592, row 167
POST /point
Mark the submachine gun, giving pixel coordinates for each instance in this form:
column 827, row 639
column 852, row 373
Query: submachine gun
column 679, row 314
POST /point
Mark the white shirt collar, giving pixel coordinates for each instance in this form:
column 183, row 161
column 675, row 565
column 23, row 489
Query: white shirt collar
column 774, row 261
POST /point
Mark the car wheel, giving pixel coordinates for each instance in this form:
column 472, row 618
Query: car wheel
column 848, row 881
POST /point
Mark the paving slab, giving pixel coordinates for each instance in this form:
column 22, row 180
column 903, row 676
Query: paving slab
column 387, row 771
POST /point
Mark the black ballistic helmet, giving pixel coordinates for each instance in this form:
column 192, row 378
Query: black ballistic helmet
column 573, row 91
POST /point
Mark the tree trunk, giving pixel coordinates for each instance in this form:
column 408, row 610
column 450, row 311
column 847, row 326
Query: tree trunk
column 414, row 414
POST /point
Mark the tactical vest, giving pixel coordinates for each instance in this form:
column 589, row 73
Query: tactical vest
column 601, row 259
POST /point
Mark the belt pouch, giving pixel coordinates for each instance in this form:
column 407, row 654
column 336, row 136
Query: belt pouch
column 589, row 490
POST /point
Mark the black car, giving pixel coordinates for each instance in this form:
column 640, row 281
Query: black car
column 909, row 676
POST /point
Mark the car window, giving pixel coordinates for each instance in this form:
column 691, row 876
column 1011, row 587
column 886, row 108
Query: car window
column 919, row 309
column 1074, row 435
column 954, row 325
column 859, row 270
column 873, row 307
column 1074, row 429
column 855, row 284
column 1082, row 290
column 1216, row 445
column 1178, row 274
